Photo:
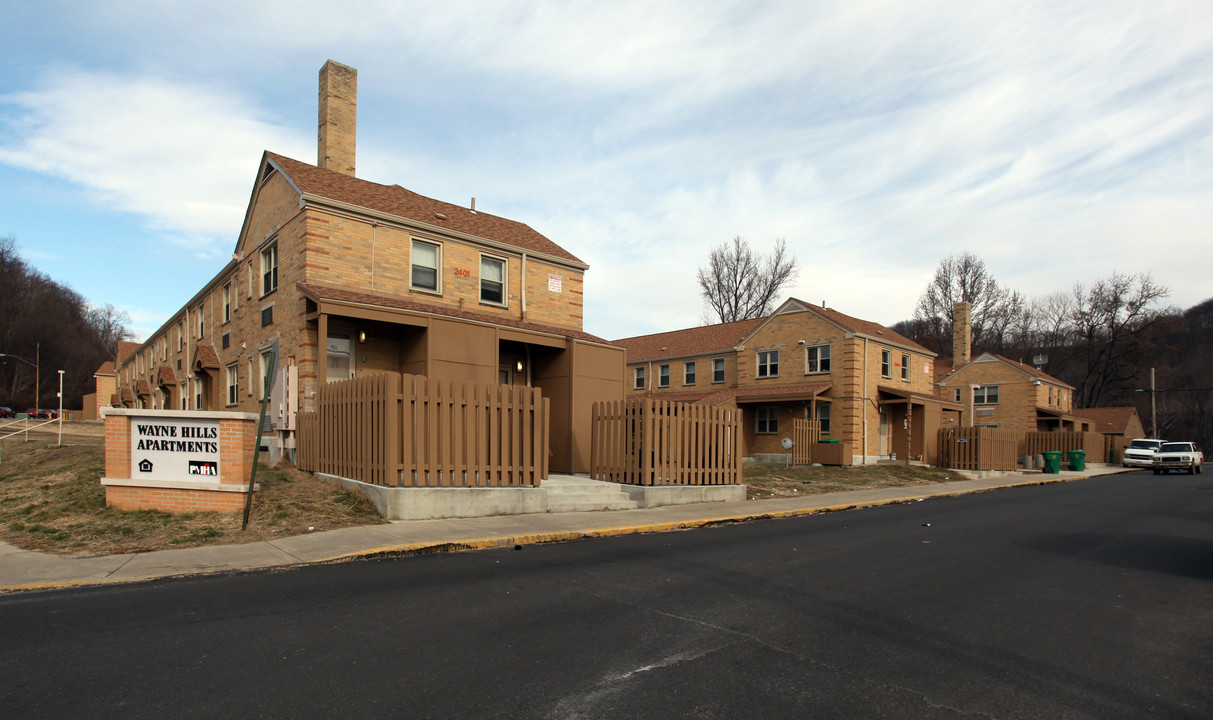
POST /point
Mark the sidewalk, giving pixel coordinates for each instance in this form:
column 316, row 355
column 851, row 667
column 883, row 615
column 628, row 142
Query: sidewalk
column 22, row 570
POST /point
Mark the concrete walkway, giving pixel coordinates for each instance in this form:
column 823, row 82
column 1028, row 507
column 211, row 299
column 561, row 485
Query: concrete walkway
column 28, row 570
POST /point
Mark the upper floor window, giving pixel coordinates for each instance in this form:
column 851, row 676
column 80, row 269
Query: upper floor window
column 425, row 258
column 180, row 335
column 638, row 379
column 233, row 383
column 766, row 420
column 688, row 373
column 201, row 321
column 817, row 359
column 251, row 278
column 718, row 370
column 905, row 367
column 663, row 375
column 1051, row 398
column 985, row 395
column 492, row 280
column 768, row 363
column 957, row 394
column 227, row 302
column 269, row 269
column 886, row 363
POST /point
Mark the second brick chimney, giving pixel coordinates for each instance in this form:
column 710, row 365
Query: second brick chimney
column 338, row 117
column 962, row 334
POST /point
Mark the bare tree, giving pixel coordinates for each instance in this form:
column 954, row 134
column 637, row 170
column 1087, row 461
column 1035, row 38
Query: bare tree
column 965, row 278
column 740, row 284
column 1108, row 324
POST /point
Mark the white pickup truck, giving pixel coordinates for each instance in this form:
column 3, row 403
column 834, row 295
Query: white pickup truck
column 1178, row 456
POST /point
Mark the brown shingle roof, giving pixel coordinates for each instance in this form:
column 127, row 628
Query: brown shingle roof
column 866, row 327
column 326, row 292
column 764, row 391
column 1108, row 419
column 126, row 349
column 165, row 376
column 107, row 368
column 1031, row 370
column 395, row 200
column 691, row 341
column 206, row 356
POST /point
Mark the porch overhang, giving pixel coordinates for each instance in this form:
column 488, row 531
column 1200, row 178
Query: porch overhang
column 901, row 396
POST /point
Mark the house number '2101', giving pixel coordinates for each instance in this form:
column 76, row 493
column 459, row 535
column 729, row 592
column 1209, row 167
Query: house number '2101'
column 460, row 272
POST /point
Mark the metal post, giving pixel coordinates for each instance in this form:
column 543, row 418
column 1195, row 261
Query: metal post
column 270, row 372
column 60, row 408
column 1153, row 407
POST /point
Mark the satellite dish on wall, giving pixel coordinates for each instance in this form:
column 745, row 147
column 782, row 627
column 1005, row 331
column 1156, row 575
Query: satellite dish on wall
column 788, row 444
column 1039, row 360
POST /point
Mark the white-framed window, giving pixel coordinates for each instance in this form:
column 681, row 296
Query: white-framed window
column 638, row 378
column 233, row 383
column 264, row 370
column 957, row 394
column 663, row 375
column 768, row 363
column 201, row 321
column 817, row 359
column 269, row 269
column 227, row 302
column 184, row 396
column 197, row 386
column 718, row 370
column 886, row 363
column 492, row 280
column 905, row 367
column 426, row 258
column 986, row 395
column 252, row 375
column 340, row 358
column 1051, row 397
column 252, row 279
column 766, row 420
column 823, row 417
column 688, row 372
column 180, row 335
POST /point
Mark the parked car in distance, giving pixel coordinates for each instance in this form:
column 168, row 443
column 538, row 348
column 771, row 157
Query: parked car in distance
column 42, row 413
column 1140, row 452
column 1178, row 456
column 7, row 412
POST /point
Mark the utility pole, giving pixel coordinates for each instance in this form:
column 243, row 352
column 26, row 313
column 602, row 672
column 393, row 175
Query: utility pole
column 1153, row 407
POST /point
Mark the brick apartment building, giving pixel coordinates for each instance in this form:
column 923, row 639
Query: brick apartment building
column 868, row 386
column 350, row 277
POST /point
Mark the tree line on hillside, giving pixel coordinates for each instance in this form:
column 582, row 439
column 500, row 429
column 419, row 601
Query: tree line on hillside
column 52, row 327
column 1103, row 336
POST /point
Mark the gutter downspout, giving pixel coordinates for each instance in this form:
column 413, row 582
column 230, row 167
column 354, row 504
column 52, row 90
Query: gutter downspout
column 523, row 286
column 863, row 403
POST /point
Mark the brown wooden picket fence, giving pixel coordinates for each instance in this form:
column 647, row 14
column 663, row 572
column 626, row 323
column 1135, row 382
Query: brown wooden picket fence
column 805, row 433
column 656, row 442
column 1094, row 444
column 979, row 448
column 409, row 430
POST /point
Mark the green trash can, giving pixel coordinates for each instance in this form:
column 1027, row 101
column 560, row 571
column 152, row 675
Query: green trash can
column 1052, row 461
column 830, row 441
column 1078, row 459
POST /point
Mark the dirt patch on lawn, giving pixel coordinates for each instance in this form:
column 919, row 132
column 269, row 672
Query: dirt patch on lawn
column 766, row 482
column 51, row 499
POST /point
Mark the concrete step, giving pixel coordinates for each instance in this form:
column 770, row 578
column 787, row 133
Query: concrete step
column 584, row 498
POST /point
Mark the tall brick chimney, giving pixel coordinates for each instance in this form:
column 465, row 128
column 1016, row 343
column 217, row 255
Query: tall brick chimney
column 338, row 117
column 962, row 334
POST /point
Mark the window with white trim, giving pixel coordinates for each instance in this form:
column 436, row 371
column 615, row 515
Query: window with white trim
column 638, row 378
column 768, row 363
column 663, row 375
column 823, row 417
column 688, row 372
column 817, row 359
column 718, row 370
column 340, row 358
column 269, row 269
column 227, row 302
column 233, row 383
column 957, row 394
column 766, row 420
column 261, row 376
column 886, row 363
column 201, row 322
column 492, row 280
column 986, row 395
column 426, row 258
column 905, row 367
column 184, row 395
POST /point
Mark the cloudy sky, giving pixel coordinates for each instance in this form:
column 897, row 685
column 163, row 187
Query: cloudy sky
column 1060, row 141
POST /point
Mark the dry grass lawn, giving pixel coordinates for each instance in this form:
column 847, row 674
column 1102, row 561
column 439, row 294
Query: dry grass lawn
column 765, row 482
column 51, row 499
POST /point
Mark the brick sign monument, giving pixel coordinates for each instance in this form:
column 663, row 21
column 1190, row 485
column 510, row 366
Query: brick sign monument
column 176, row 460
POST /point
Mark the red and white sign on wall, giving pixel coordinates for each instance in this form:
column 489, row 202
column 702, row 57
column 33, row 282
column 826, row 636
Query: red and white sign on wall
column 554, row 282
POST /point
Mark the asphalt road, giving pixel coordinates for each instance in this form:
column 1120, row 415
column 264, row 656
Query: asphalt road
column 1090, row 599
